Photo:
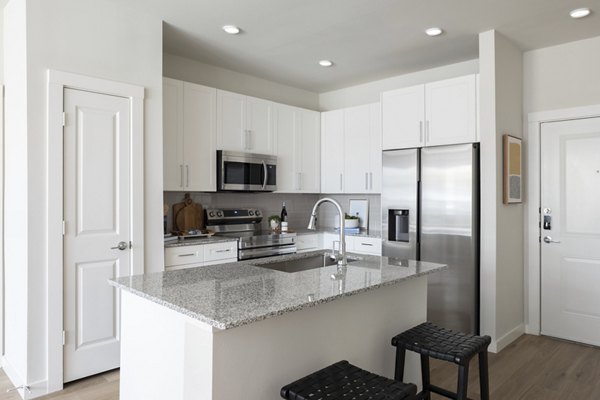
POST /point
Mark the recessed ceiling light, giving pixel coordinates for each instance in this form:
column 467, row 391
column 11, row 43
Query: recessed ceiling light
column 325, row 63
column 231, row 29
column 434, row 31
column 580, row 13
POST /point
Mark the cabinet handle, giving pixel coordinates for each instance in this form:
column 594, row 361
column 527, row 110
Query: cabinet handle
column 427, row 131
column 187, row 175
column 341, row 179
column 186, row 255
column 366, row 181
column 366, row 244
column 181, row 175
column 223, row 251
column 371, row 176
column 420, row 131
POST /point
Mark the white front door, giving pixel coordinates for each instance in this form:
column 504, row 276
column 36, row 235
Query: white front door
column 570, row 230
column 97, row 219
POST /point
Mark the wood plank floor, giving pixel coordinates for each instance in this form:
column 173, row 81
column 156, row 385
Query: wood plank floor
column 532, row 368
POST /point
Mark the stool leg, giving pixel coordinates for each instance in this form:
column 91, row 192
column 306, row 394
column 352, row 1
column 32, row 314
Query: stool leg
column 484, row 384
column 463, row 380
column 426, row 395
column 399, row 371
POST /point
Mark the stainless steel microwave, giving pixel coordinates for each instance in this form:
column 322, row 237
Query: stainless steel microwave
column 246, row 172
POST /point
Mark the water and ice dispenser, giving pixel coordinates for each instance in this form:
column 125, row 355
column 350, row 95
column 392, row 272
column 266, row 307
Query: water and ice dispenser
column 398, row 225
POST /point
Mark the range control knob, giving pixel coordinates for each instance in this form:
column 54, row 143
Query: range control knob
column 211, row 214
column 219, row 214
column 250, row 213
column 257, row 212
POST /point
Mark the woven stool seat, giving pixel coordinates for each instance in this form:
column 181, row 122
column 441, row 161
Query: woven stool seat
column 442, row 344
column 430, row 340
column 343, row 380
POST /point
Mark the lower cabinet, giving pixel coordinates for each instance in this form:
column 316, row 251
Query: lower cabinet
column 354, row 244
column 200, row 255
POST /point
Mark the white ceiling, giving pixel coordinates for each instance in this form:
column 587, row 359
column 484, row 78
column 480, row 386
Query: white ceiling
column 282, row 40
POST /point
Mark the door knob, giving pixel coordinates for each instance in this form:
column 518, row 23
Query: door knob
column 123, row 246
column 548, row 239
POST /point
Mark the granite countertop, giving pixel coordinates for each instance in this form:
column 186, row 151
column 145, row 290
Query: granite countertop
column 234, row 294
column 200, row 240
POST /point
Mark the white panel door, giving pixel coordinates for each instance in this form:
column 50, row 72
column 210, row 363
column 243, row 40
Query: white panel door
column 357, row 141
column 231, row 121
column 200, row 137
column 451, row 111
column 332, row 151
column 173, row 164
column 97, row 213
column 570, row 231
column 259, row 126
column 403, row 118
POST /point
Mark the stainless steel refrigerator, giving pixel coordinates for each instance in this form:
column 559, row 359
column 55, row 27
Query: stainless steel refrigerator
column 430, row 206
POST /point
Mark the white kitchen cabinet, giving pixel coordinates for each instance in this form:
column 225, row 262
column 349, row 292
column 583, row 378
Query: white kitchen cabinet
column 354, row 244
column 189, row 136
column 244, row 123
column 403, row 116
column 308, row 242
column 433, row 114
column 298, row 143
column 332, row 151
column 362, row 149
column 451, row 111
column 365, row 245
column 200, row 255
column 172, row 134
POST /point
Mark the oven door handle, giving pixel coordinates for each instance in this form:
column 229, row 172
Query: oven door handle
column 266, row 177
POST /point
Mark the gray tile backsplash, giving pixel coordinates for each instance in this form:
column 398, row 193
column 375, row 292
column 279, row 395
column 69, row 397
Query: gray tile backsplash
column 298, row 206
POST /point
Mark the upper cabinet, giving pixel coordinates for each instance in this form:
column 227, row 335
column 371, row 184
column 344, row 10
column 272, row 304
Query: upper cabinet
column 244, row 123
column 332, row 151
column 298, row 143
column 434, row 114
column 351, row 150
column 189, row 136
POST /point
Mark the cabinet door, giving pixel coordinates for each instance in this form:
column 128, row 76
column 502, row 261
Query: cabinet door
column 332, row 151
column 403, row 117
column 451, row 111
column 259, row 126
column 375, row 149
column 200, row 135
column 172, row 134
column 285, row 133
column 357, row 141
column 184, row 255
column 231, row 121
column 308, row 143
column 217, row 253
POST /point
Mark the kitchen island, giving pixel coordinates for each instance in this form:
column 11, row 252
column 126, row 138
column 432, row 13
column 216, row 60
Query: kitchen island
column 237, row 330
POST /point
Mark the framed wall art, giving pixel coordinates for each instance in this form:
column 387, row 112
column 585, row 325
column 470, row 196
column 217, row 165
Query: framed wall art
column 513, row 170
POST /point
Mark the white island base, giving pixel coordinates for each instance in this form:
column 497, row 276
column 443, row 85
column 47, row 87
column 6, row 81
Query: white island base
column 168, row 355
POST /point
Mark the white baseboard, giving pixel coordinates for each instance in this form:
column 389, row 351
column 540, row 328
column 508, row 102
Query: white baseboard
column 507, row 339
column 37, row 389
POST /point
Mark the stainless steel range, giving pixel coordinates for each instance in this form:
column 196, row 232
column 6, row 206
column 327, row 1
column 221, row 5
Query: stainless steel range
column 244, row 224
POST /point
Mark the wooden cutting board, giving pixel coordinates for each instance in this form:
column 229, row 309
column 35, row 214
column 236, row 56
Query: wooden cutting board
column 188, row 215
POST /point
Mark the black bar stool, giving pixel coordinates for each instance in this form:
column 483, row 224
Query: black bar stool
column 343, row 380
column 430, row 340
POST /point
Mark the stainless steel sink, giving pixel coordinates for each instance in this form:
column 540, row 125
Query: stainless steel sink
column 302, row 264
